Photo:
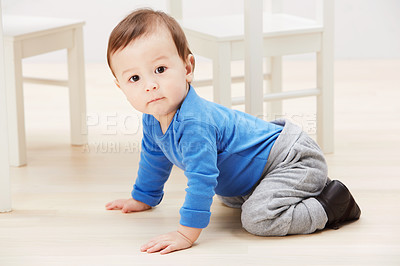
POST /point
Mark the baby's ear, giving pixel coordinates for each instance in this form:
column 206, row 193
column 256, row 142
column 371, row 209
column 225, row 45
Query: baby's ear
column 189, row 68
column 117, row 83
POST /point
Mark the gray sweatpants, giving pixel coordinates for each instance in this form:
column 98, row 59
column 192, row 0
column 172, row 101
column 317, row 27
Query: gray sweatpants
column 284, row 200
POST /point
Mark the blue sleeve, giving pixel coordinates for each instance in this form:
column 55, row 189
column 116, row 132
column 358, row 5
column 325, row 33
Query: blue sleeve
column 199, row 152
column 154, row 170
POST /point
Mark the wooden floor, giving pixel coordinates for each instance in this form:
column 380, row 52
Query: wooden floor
column 59, row 218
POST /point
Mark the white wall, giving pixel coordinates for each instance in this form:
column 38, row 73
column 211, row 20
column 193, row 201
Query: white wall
column 367, row 29
column 364, row 29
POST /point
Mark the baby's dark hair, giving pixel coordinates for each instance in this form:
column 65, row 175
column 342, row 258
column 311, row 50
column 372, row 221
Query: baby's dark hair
column 140, row 23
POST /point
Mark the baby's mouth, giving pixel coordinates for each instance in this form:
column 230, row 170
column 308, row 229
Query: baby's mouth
column 156, row 100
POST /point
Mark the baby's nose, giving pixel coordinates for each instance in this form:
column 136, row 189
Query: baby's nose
column 152, row 86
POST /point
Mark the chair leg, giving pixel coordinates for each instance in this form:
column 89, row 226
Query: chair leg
column 222, row 75
column 15, row 104
column 274, row 65
column 77, row 94
column 5, row 190
column 325, row 134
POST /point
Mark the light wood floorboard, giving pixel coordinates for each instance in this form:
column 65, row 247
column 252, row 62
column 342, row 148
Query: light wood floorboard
column 58, row 215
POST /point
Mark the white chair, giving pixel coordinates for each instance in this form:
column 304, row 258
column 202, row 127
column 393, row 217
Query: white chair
column 30, row 36
column 222, row 40
column 5, row 189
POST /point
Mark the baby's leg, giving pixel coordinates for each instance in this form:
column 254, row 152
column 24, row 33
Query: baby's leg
column 284, row 201
column 233, row 202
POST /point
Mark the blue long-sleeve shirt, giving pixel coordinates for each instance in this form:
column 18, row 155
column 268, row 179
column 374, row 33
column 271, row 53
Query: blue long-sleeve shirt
column 221, row 151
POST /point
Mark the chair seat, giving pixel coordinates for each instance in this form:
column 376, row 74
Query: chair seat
column 231, row 28
column 25, row 27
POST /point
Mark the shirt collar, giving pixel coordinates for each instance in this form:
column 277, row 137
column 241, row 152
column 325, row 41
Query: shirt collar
column 190, row 100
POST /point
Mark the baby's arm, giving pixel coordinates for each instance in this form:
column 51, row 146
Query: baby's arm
column 199, row 156
column 127, row 205
column 183, row 238
column 154, row 170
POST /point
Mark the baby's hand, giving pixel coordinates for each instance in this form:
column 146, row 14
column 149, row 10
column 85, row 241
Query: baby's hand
column 127, row 205
column 167, row 243
column 183, row 238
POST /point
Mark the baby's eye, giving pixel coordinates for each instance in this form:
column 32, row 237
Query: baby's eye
column 134, row 78
column 160, row 69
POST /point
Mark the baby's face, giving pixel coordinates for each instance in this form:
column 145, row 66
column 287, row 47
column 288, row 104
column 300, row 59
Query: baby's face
column 151, row 74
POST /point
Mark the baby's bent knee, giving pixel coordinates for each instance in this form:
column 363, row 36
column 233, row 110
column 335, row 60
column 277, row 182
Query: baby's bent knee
column 266, row 227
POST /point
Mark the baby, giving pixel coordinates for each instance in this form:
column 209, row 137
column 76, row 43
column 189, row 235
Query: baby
column 273, row 171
